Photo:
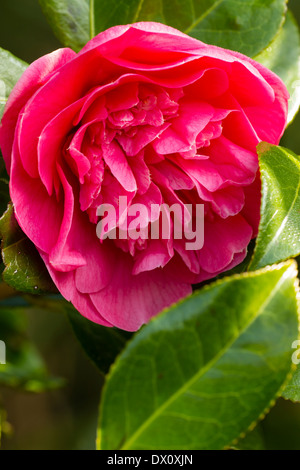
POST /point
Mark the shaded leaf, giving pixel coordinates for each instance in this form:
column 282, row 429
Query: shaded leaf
column 24, row 269
column 11, row 69
column 101, row 344
column 201, row 373
column 247, row 26
column 282, row 56
column 69, row 20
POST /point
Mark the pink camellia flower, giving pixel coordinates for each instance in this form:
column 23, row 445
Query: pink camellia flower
column 150, row 114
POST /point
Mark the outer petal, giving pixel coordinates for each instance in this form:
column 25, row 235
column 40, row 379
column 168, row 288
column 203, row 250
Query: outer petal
column 131, row 32
column 33, row 78
column 129, row 301
column 34, row 214
column 269, row 121
column 223, row 239
column 65, row 283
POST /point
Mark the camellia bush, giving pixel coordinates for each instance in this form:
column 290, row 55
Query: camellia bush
column 146, row 196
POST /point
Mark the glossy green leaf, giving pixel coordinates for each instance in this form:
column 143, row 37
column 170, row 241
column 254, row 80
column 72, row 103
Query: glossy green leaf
column 201, row 373
column 278, row 237
column 24, row 366
column 282, row 56
column 11, row 70
column 69, row 20
column 101, row 344
column 24, row 269
column 247, row 26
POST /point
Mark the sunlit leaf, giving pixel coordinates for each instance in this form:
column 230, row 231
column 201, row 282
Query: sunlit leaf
column 278, row 237
column 200, row 374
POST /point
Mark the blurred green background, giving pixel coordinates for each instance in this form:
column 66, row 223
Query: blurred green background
column 67, row 418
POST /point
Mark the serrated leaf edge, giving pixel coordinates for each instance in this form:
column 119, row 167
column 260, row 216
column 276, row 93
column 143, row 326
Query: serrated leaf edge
column 251, row 274
column 281, row 389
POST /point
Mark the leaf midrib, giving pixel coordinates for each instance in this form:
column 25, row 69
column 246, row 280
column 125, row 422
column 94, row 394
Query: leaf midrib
column 202, row 371
column 138, row 10
column 202, row 17
column 139, row 7
column 92, row 19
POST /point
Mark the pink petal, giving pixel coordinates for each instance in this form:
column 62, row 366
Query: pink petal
column 140, row 171
column 237, row 259
column 242, row 80
column 251, row 210
column 65, row 282
column 193, row 117
column 122, row 97
column 116, row 32
column 130, row 301
column 145, row 134
column 156, row 255
column 228, row 201
column 34, row 214
column 51, row 143
column 213, row 83
column 64, row 256
column 118, row 164
column 221, row 242
column 178, row 179
column 234, row 163
column 53, row 97
column 32, row 79
column 152, row 197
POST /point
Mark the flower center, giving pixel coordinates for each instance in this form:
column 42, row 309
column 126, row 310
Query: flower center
column 146, row 144
column 115, row 128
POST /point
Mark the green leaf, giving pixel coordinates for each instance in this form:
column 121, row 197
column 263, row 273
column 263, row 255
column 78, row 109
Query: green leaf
column 24, row 366
column 11, row 70
column 201, row 373
column 247, row 26
column 69, row 20
column 282, row 56
column 101, row 344
column 292, row 390
column 25, row 271
column 278, row 238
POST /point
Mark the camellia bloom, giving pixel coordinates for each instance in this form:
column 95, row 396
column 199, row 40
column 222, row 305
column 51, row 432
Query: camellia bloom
column 151, row 114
